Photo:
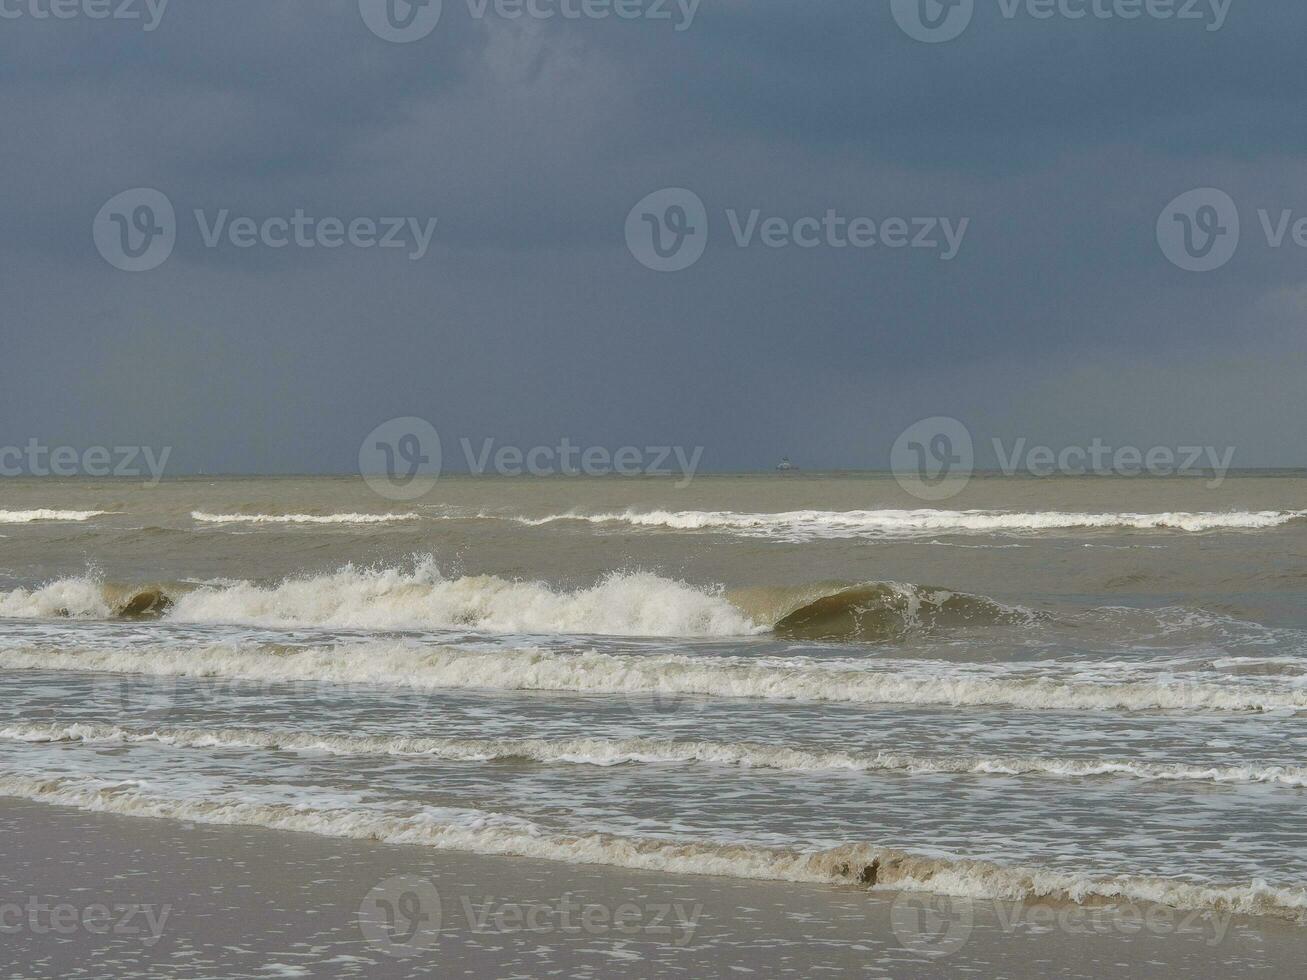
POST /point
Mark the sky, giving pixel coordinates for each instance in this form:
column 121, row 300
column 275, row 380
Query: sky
column 1053, row 146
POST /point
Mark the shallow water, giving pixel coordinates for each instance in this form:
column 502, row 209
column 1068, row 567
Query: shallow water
column 1077, row 687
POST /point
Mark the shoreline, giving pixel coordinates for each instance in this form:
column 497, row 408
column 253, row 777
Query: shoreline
column 86, row 893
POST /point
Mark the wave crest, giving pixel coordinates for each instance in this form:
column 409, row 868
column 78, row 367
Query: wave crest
column 885, row 611
column 630, row 604
column 203, row 518
column 806, row 525
column 34, row 516
column 620, row 604
column 418, row 597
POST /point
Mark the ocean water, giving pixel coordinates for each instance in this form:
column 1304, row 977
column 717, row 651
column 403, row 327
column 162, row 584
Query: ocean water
column 1085, row 688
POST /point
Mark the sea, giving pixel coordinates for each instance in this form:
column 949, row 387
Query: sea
column 1086, row 688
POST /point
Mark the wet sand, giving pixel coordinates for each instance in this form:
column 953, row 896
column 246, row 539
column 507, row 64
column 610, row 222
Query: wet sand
column 85, row 894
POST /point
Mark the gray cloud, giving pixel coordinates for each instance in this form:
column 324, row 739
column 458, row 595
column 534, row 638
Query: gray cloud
column 529, row 319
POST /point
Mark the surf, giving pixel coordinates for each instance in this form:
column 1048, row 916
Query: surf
column 807, row 525
column 50, row 516
column 200, row 517
column 419, row 597
column 590, row 672
column 863, row 865
column 607, row 752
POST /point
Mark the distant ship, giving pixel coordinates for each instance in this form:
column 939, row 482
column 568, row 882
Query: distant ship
column 785, row 466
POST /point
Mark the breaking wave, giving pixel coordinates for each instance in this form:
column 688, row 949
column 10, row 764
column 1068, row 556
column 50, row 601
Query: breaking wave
column 888, row 610
column 620, row 604
column 615, row 752
column 800, row 525
column 590, row 672
column 630, row 604
column 484, row 832
column 203, row 518
column 85, row 597
column 33, row 516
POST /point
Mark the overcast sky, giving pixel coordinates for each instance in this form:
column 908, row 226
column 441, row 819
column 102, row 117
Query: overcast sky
column 1059, row 141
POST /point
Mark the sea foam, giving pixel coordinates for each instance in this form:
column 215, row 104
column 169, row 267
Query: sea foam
column 485, row 832
column 812, row 524
column 33, row 516
column 425, row 667
column 203, row 518
column 605, row 752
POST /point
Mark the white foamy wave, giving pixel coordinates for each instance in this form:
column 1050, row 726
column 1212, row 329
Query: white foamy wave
column 83, row 597
column 533, row 669
column 631, row 604
column 33, row 516
column 810, row 524
column 203, row 518
column 615, row 752
column 417, row 597
column 484, row 832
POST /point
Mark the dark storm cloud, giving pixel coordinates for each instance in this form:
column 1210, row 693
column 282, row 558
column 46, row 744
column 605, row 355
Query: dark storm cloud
column 529, row 141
